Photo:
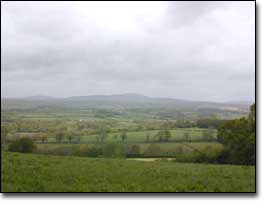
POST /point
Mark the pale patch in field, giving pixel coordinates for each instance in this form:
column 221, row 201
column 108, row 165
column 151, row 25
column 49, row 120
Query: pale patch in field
column 151, row 159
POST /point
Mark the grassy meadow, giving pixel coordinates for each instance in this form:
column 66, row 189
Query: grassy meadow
column 163, row 150
column 45, row 173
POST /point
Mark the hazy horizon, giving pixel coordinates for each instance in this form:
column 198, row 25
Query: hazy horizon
column 124, row 94
column 198, row 51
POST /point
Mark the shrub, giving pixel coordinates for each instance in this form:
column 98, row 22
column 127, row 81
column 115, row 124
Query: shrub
column 64, row 151
column 90, row 151
column 206, row 155
column 133, row 151
column 186, row 157
column 152, row 150
column 24, row 145
column 59, row 136
column 113, row 150
column 93, row 151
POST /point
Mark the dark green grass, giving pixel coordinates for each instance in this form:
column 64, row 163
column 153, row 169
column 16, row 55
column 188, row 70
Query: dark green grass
column 42, row 173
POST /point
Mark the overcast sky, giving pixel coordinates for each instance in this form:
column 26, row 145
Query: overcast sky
column 186, row 50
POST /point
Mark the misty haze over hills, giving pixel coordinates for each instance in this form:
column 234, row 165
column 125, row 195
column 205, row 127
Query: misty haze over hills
column 129, row 100
column 125, row 97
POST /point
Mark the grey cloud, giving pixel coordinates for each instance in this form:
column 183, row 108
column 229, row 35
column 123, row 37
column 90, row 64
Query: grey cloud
column 186, row 12
column 183, row 13
column 194, row 49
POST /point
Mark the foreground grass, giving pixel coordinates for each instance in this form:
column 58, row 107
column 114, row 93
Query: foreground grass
column 43, row 173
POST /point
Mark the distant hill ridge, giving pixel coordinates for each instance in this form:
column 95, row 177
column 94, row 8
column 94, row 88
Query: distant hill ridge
column 129, row 100
column 122, row 97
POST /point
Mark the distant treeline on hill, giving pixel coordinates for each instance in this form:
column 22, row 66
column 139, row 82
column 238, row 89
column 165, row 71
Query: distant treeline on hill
column 209, row 123
column 201, row 123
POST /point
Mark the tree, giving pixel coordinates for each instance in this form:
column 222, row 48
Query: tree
column 59, row 136
column 152, row 150
column 93, row 151
column 78, row 136
column 102, row 134
column 113, row 150
column 4, row 134
column 43, row 137
column 159, row 136
column 207, row 135
column 24, row 145
column 252, row 113
column 133, row 151
column 123, row 136
column 252, row 118
column 238, row 138
column 70, row 136
column 164, row 134
column 187, row 137
column 209, row 123
column 167, row 135
column 6, row 130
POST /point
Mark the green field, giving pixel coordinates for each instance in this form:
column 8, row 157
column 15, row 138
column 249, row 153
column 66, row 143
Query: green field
column 196, row 134
column 43, row 173
column 143, row 161
column 177, row 135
